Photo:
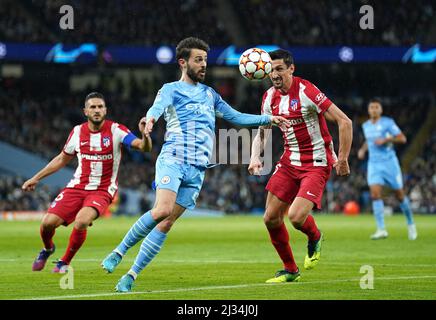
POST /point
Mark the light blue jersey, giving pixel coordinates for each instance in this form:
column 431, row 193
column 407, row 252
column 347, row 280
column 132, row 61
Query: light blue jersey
column 383, row 165
column 190, row 112
column 385, row 127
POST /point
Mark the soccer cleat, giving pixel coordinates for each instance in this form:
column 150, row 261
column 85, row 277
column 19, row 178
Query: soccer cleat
column 379, row 234
column 413, row 234
column 61, row 267
column 313, row 253
column 41, row 260
column 125, row 284
column 111, row 261
column 283, row 276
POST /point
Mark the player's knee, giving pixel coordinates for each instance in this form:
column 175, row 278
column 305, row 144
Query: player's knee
column 161, row 212
column 272, row 221
column 82, row 223
column 400, row 195
column 297, row 219
column 166, row 225
column 375, row 195
column 48, row 224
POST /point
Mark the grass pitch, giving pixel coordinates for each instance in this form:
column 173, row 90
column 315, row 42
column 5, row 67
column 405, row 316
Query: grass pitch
column 229, row 258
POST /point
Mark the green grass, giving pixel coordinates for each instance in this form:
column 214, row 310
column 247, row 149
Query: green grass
column 229, row 258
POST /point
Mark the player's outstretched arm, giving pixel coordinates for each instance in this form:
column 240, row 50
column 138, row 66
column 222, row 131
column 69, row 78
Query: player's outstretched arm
column 57, row 163
column 398, row 139
column 256, row 149
column 144, row 144
column 345, row 125
column 225, row 111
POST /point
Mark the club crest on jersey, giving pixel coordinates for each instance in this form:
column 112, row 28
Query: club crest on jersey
column 294, row 104
column 165, row 180
column 106, row 141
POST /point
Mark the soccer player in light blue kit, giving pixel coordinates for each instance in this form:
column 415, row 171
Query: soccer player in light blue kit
column 189, row 108
column 383, row 166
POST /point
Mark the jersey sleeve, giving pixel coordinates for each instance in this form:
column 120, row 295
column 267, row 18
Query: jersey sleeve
column 162, row 101
column 124, row 135
column 266, row 105
column 225, row 111
column 317, row 98
column 72, row 142
column 393, row 129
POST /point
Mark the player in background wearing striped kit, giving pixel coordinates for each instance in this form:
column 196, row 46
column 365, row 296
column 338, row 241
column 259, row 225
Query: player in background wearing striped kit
column 97, row 144
column 298, row 182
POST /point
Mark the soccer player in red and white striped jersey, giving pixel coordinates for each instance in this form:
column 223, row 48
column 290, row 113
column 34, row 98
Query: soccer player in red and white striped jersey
column 97, row 144
column 299, row 179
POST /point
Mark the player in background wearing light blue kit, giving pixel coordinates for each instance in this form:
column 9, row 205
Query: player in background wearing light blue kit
column 383, row 166
column 190, row 108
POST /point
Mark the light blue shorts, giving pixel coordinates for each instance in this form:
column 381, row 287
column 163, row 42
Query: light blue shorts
column 385, row 173
column 184, row 179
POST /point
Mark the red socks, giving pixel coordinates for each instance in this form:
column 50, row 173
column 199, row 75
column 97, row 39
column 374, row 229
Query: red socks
column 310, row 229
column 77, row 238
column 47, row 237
column 280, row 240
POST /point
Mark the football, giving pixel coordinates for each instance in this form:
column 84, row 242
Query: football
column 255, row 64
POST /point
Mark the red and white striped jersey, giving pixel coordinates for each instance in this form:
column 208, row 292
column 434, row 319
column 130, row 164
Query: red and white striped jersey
column 98, row 154
column 307, row 142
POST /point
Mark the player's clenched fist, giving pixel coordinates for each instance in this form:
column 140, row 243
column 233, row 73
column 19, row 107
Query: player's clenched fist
column 29, row 185
column 149, row 126
column 141, row 126
column 342, row 168
column 255, row 167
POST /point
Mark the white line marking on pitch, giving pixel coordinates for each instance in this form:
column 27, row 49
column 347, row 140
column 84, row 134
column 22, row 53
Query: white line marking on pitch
column 163, row 261
column 251, row 285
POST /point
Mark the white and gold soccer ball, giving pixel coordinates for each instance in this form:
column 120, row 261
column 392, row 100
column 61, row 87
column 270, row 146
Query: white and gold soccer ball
column 255, row 64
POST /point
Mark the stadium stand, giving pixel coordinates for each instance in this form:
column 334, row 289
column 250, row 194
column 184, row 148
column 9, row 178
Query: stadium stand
column 37, row 116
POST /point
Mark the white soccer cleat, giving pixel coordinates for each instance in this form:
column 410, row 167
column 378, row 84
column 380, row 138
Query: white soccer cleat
column 413, row 234
column 379, row 234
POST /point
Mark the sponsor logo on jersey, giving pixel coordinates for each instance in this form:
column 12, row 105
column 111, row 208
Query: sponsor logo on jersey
column 319, row 97
column 296, row 121
column 97, row 157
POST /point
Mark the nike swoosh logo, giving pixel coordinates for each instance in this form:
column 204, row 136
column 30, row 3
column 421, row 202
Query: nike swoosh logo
column 310, row 194
column 83, row 143
column 96, row 203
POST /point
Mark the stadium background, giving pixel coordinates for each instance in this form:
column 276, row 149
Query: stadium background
column 41, row 101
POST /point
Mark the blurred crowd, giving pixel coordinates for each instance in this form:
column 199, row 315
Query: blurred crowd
column 330, row 22
column 14, row 199
column 113, row 21
column 300, row 22
column 39, row 119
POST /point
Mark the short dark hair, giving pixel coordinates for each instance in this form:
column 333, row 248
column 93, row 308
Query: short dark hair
column 183, row 49
column 287, row 57
column 375, row 100
column 94, row 95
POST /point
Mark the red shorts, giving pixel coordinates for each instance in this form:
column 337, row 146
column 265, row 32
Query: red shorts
column 288, row 182
column 69, row 202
